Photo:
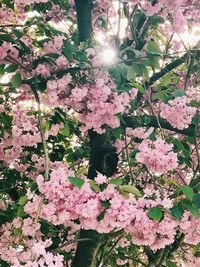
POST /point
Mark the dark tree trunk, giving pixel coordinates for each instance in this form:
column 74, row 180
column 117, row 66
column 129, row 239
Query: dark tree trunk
column 84, row 20
column 102, row 155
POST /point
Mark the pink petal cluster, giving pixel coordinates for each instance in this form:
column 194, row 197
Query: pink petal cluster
column 55, row 14
column 29, row 2
column 24, row 133
column 140, row 132
column 3, row 53
column 99, row 105
column 18, row 247
column 43, row 70
column 54, row 46
column 157, row 156
column 177, row 112
column 65, row 203
column 191, row 228
column 57, row 91
column 152, row 233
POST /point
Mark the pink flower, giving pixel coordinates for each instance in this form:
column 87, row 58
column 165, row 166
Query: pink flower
column 157, row 156
column 3, row 53
column 101, row 179
column 178, row 106
column 43, row 70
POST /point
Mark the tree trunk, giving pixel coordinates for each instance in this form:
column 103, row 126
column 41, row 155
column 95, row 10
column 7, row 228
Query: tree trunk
column 102, row 155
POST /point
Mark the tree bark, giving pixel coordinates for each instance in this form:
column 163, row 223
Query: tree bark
column 83, row 14
column 102, row 154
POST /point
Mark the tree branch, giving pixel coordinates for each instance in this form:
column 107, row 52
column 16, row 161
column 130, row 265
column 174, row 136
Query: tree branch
column 83, row 9
column 171, row 66
column 141, row 121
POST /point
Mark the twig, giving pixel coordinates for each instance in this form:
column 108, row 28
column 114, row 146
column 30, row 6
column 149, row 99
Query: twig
column 171, row 66
column 127, row 156
column 12, row 25
column 196, row 147
column 46, row 154
column 156, row 116
column 112, row 248
column 45, row 148
column 119, row 18
column 189, row 71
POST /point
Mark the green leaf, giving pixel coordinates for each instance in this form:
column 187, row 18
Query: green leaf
column 46, row 126
column 83, row 46
column 6, row 119
column 65, row 131
column 68, row 49
column 171, row 264
column 116, row 181
column 139, row 87
column 18, row 33
column 20, row 212
column 154, row 49
column 160, row 94
column 131, row 189
column 187, row 204
column 187, row 191
column 117, row 132
column 9, row 3
column 11, row 68
column 196, row 201
column 130, row 74
column 177, row 211
column 155, row 213
column 94, row 186
column 17, row 232
column 16, row 80
column 80, row 55
column 195, row 103
column 123, row 68
column 178, row 92
column 7, row 38
column 155, row 20
column 78, row 182
column 115, row 73
column 137, row 53
column 2, row 71
column 23, row 200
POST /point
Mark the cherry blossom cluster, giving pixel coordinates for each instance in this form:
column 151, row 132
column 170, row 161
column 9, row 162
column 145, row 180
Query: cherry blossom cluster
column 29, row 2
column 55, row 14
column 102, row 10
column 190, row 259
column 19, row 248
column 54, row 46
column 66, row 203
column 7, row 14
column 180, row 11
column 98, row 104
column 157, row 156
column 177, row 112
column 131, row 134
column 24, row 133
column 57, row 91
column 191, row 228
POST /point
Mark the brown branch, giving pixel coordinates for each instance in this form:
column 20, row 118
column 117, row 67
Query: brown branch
column 172, row 66
column 12, row 25
column 140, row 121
